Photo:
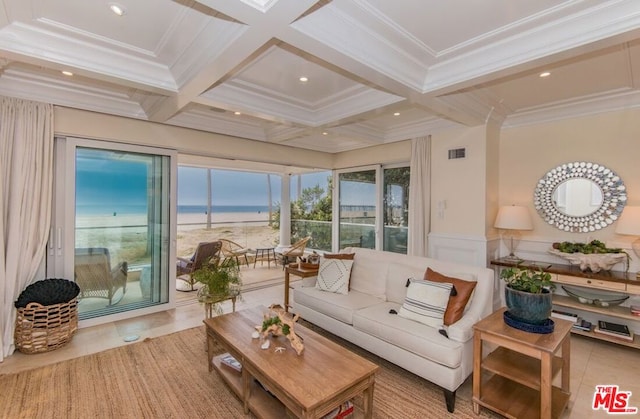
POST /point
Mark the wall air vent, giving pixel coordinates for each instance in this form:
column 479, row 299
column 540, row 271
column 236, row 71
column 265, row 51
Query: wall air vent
column 457, row 153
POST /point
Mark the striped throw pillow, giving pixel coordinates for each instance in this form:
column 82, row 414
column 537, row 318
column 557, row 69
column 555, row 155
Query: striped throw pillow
column 426, row 302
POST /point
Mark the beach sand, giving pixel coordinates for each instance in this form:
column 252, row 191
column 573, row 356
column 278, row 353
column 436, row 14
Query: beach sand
column 250, row 230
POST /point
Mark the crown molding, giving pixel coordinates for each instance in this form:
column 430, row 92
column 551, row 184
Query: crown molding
column 58, row 92
column 30, row 42
column 402, row 59
column 611, row 102
column 600, row 24
column 238, row 96
column 221, row 124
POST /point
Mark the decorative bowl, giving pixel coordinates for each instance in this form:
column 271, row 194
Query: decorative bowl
column 595, row 262
column 595, row 297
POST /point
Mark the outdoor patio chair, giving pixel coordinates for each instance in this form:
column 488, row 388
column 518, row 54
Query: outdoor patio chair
column 206, row 252
column 290, row 254
column 233, row 251
column 95, row 276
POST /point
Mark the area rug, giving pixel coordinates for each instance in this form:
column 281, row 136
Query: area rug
column 167, row 377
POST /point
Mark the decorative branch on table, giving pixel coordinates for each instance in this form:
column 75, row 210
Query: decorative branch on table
column 281, row 325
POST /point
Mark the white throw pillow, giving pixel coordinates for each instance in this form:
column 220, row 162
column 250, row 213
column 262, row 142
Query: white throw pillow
column 426, row 302
column 333, row 275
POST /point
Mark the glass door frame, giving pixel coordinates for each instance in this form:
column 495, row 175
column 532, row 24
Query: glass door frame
column 61, row 246
column 336, row 204
column 379, row 223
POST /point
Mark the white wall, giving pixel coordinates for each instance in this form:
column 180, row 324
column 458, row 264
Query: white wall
column 528, row 153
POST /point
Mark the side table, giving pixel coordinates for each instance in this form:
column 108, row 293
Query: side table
column 295, row 269
column 523, row 368
column 211, row 301
column 265, row 253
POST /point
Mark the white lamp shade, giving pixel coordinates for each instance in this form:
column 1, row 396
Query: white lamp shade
column 629, row 222
column 513, row 217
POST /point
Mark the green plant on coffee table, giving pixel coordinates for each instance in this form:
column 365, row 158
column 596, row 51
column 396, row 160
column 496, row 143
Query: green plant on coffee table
column 527, row 280
column 219, row 279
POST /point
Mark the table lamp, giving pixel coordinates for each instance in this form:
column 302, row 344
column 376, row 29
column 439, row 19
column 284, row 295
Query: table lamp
column 513, row 217
column 629, row 224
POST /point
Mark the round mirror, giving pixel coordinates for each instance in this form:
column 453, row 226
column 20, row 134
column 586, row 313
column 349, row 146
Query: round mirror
column 580, row 197
column 577, row 197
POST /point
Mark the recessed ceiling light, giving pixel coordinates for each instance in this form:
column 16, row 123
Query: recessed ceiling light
column 237, row 113
column 396, row 114
column 67, row 73
column 325, row 133
column 304, row 79
column 117, row 9
column 545, row 74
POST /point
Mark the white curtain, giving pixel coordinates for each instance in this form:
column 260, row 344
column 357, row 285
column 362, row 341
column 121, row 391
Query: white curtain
column 419, row 196
column 26, row 172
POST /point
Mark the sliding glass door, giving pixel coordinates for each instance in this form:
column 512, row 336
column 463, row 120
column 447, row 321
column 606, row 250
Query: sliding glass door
column 396, row 209
column 371, row 201
column 112, row 225
column 357, row 200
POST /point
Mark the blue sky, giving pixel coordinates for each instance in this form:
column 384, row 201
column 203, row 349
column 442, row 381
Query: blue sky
column 236, row 188
column 104, row 180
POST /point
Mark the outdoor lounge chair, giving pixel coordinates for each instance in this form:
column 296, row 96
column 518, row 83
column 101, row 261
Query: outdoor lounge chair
column 297, row 249
column 206, row 252
column 233, row 251
column 95, row 276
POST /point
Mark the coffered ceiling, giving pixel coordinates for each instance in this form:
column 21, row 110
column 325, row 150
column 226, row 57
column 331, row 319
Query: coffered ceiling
column 234, row 66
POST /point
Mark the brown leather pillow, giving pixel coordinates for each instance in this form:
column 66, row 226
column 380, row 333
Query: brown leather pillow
column 457, row 302
column 344, row 256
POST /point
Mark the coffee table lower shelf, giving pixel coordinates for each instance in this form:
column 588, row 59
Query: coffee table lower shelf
column 261, row 403
column 514, row 400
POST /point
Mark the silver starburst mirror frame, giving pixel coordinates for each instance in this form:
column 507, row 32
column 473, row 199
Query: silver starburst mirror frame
column 601, row 188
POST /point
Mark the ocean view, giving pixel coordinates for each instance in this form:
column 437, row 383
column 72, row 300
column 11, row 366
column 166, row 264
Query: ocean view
column 124, row 209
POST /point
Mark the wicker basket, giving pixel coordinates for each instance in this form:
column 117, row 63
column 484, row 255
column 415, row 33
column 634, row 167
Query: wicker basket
column 45, row 328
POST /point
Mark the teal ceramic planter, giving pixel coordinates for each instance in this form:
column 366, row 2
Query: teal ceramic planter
column 527, row 307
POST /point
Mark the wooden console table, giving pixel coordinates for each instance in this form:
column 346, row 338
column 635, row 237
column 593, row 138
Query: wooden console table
column 295, row 269
column 621, row 282
column 523, row 367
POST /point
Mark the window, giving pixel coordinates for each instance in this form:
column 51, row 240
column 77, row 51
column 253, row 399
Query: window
column 311, row 209
column 357, row 208
column 396, row 209
column 371, row 201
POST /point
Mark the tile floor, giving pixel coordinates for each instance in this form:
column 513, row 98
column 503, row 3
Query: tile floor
column 592, row 362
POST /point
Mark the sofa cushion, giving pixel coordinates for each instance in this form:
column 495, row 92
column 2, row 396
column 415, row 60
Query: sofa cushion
column 409, row 335
column 338, row 306
column 397, row 276
column 333, row 275
column 457, row 302
column 426, row 302
column 368, row 276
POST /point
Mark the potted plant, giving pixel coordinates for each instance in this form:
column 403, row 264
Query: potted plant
column 220, row 281
column 528, row 294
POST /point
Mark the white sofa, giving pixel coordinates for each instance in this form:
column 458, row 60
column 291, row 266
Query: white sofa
column 378, row 285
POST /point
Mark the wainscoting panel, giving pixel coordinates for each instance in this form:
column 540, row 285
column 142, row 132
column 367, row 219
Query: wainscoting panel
column 467, row 250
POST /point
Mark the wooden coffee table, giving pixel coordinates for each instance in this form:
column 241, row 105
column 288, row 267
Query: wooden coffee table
column 324, row 376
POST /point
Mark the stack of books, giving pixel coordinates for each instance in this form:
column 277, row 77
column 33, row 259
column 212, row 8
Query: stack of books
column 231, row 362
column 635, row 310
column 565, row 315
column 614, row 330
column 583, row 325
